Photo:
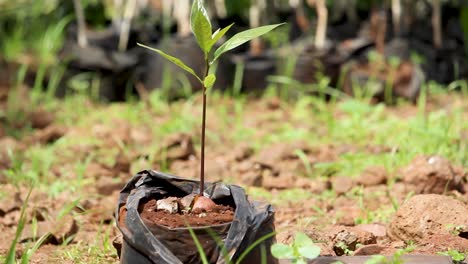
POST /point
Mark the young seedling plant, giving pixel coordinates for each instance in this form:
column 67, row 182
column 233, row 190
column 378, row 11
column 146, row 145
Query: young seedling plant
column 202, row 29
column 302, row 249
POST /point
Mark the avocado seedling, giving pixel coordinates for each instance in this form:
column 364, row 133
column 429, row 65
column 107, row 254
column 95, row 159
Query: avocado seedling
column 202, row 29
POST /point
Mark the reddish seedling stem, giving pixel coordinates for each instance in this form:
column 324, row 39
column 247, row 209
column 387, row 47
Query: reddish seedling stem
column 436, row 23
column 202, row 158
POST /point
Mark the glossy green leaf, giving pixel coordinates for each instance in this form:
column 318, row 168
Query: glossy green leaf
column 174, row 60
column 209, row 81
column 201, row 26
column 243, row 37
column 219, row 34
column 282, row 251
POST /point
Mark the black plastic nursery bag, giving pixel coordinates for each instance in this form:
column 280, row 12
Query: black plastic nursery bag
column 145, row 242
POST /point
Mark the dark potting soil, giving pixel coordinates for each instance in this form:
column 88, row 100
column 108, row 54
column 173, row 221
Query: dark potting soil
column 220, row 214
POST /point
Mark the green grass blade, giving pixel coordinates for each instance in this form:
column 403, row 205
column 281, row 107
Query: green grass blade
column 11, row 258
column 199, row 246
column 253, row 245
column 27, row 256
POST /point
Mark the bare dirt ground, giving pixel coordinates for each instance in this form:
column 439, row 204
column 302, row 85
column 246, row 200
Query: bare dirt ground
column 348, row 179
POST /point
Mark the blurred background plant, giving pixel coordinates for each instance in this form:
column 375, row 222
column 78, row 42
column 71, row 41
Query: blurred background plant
column 38, row 41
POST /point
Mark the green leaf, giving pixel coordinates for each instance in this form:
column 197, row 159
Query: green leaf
column 209, row 81
column 174, row 60
column 243, row 37
column 201, row 26
column 302, row 239
column 282, row 251
column 309, row 251
column 219, row 34
column 305, row 246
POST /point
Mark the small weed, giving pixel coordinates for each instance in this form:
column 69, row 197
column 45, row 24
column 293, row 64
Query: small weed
column 346, row 250
column 454, row 254
column 301, row 250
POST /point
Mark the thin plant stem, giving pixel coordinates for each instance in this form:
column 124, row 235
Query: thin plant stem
column 202, row 161
column 82, row 39
column 436, row 24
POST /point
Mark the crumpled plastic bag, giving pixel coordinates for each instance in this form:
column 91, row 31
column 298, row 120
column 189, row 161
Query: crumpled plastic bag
column 145, row 242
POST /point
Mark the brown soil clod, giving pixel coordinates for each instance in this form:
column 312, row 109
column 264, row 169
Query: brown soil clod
column 59, row 230
column 177, row 146
column 48, row 135
column 219, row 214
column 432, row 174
column 428, row 214
column 342, row 184
column 372, row 176
column 106, row 185
column 41, row 119
column 348, row 238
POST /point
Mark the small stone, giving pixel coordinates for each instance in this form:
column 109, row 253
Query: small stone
column 343, row 241
column 169, row 205
column 368, row 250
column 186, row 202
